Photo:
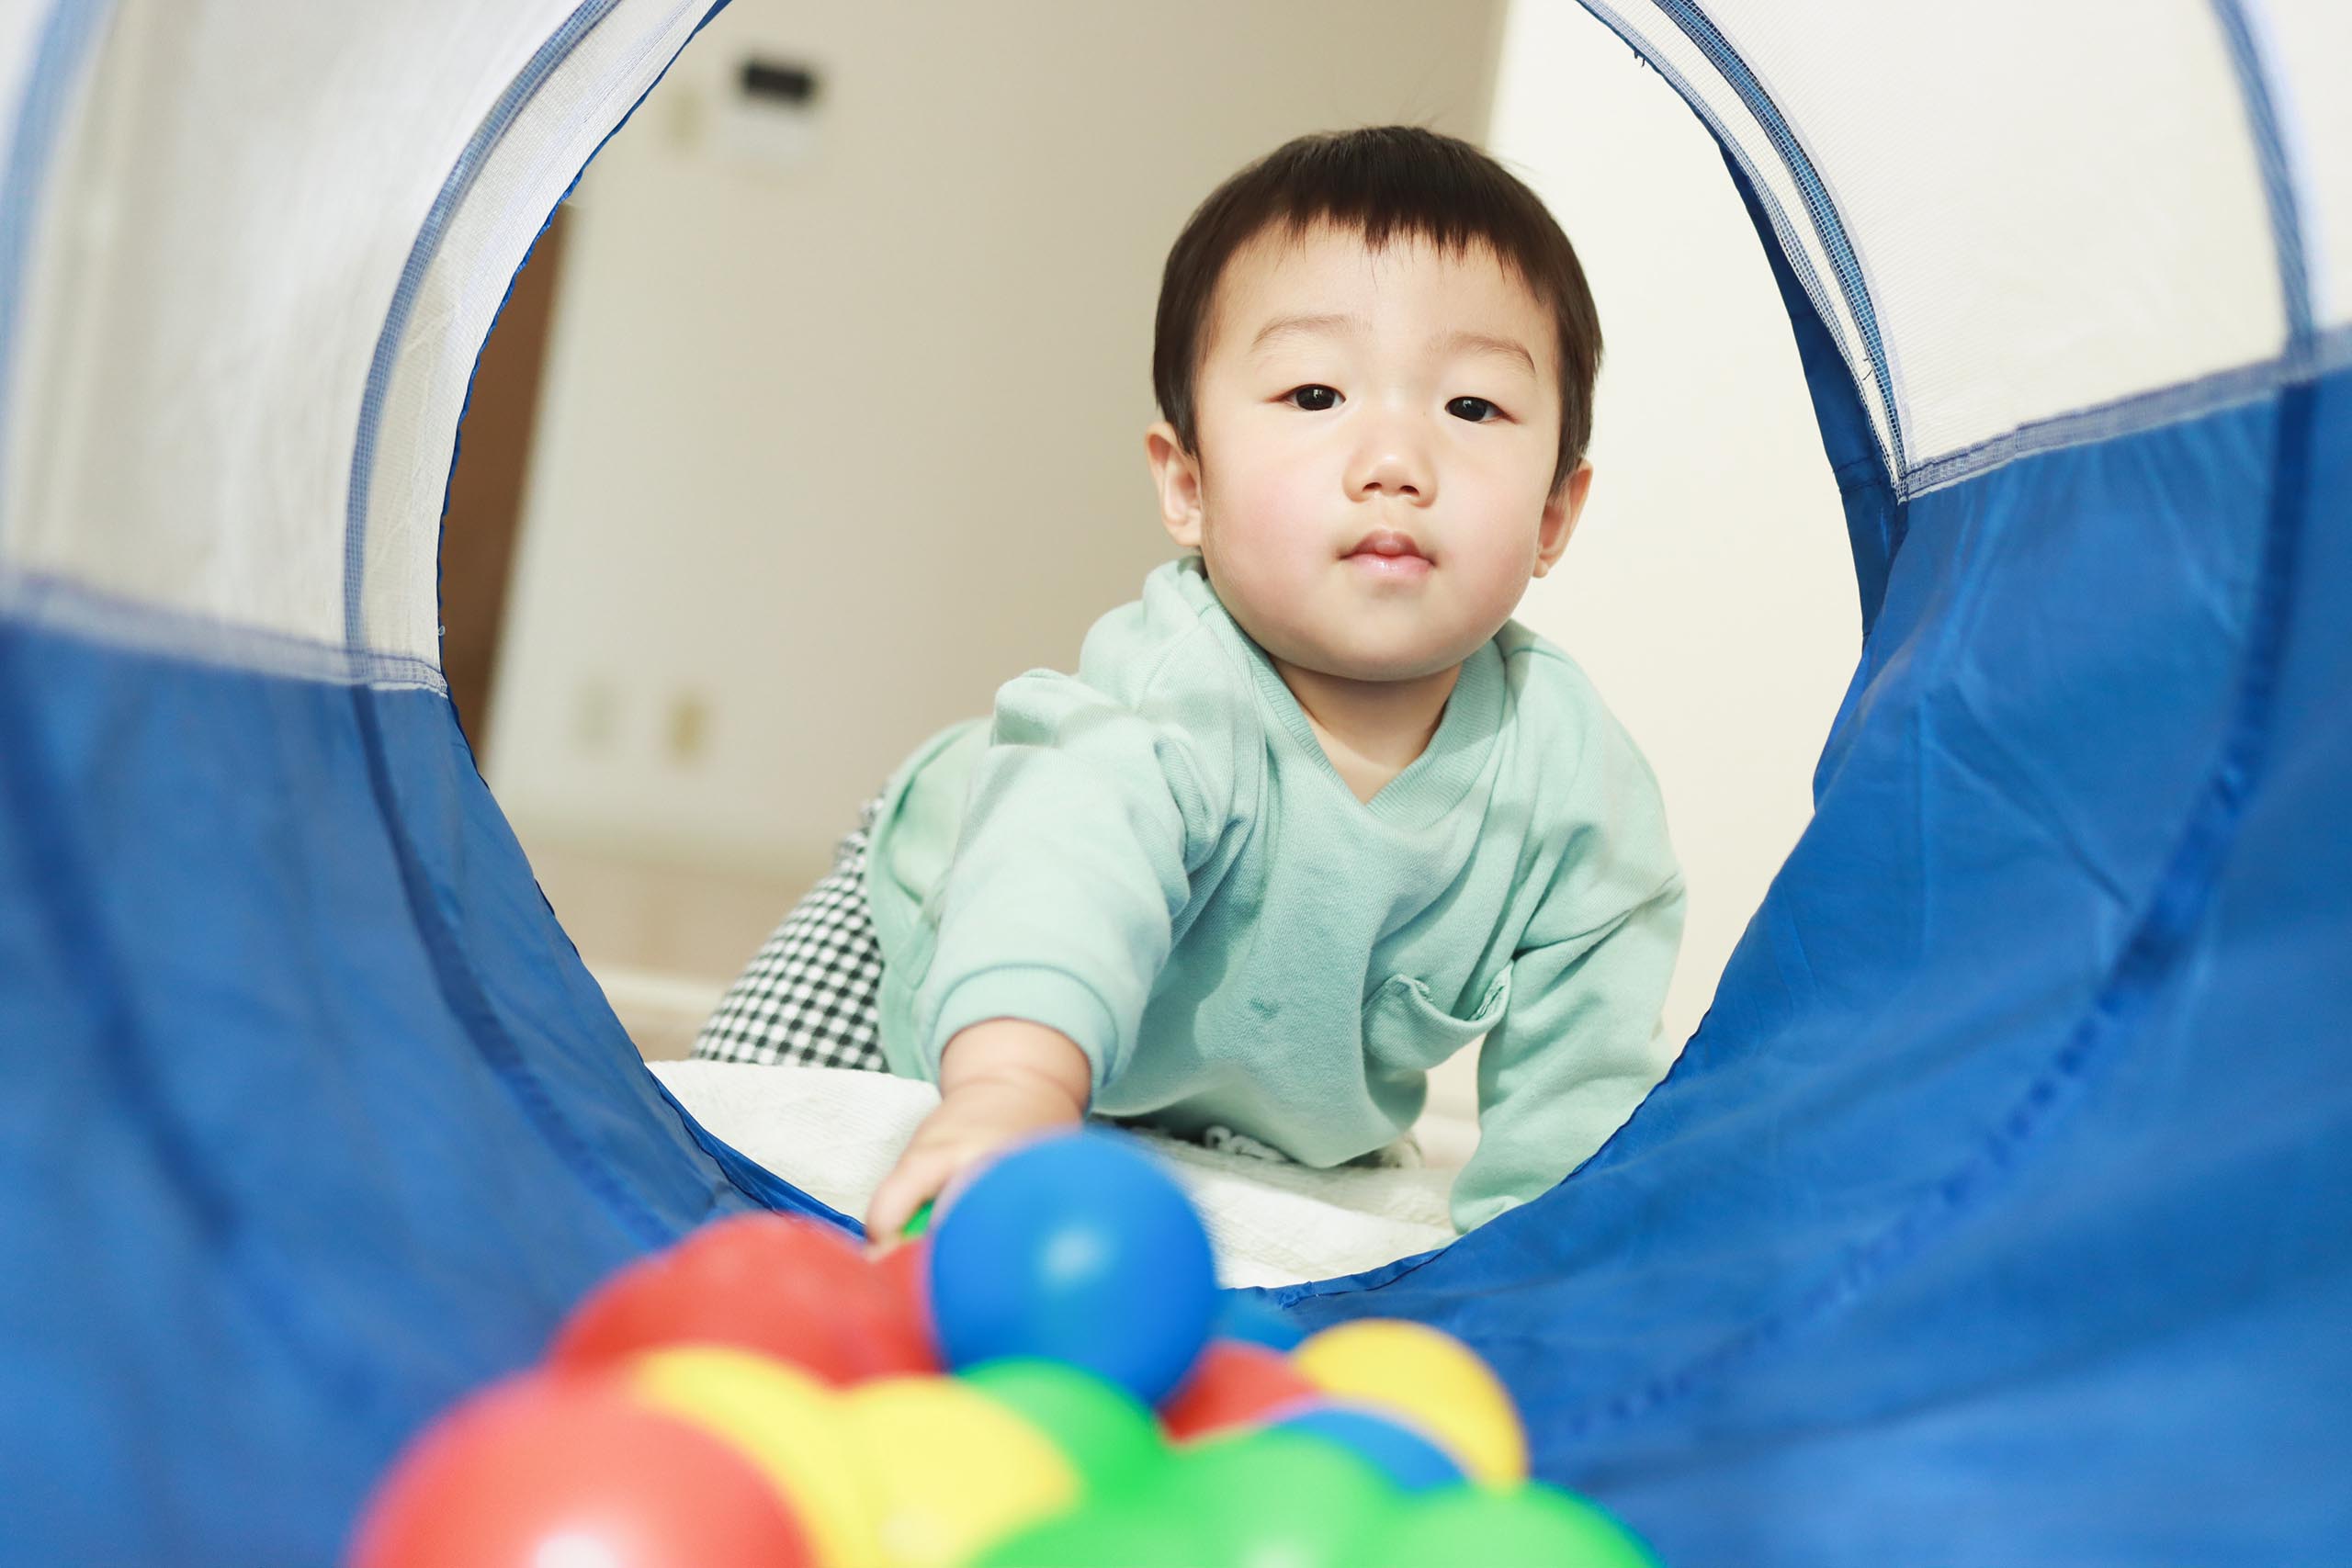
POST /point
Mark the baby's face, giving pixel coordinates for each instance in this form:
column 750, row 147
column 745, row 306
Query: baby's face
column 1347, row 395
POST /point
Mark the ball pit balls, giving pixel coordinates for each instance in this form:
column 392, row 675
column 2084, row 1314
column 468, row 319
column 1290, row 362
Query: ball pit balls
column 1108, row 1436
column 1115, row 1535
column 1432, row 1379
column 784, row 1286
column 1080, row 1248
column 546, row 1464
column 1233, row 1384
column 1241, row 1316
column 1408, row 1457
column 1481, row 1527
column 950, row 1469
column 785, row 1422
column 764, row 1394
column 1276, row 1498
column 897, row 1330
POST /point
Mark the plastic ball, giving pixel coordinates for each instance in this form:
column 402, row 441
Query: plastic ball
column 1407, row 1456
column 547, row 1465
column 1270, row 1499
column 898, row 1336
column 1099, row 1536
column 950, row 1469
column 1432, row 1379
column 1080, row 1248
column 1252, row 1318
column 1478, row 1527
column 783, row 1420
column 785, row 1287
column 1233, row 1384
column 1109, row 1438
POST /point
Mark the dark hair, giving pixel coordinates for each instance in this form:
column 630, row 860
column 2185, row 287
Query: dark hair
column 1381, row 180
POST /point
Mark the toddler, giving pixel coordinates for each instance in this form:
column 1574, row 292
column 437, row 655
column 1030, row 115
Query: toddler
column 1313, row 813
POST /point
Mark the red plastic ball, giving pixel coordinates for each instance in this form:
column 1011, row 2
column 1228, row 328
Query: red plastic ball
column 778, row 1284
column 1235, row 1384
column 900, row 1332
column 552, row 1466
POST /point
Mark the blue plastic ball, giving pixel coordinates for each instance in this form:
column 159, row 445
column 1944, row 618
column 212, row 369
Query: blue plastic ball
column 1241, row 1316
column 1403, row 1454
column 1080, row 1248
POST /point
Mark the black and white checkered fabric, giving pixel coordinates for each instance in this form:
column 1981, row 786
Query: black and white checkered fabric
column 812, row 995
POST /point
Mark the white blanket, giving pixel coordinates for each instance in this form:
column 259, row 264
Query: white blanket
column 834, row 1132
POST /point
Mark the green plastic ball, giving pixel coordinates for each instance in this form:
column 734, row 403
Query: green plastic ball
column 1470, row 1527
column 1100, row 1535
column 1109, row 1436
column 1272, row 1499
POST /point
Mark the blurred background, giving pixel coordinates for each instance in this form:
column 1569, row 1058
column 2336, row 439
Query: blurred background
column 839, row 409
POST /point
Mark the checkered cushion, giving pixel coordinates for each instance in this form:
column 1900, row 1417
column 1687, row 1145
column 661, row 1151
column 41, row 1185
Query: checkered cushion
column 812, row 995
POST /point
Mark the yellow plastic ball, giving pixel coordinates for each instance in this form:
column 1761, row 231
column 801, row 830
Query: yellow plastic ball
column 788, row 1424
column 955, row 1470
column 1432, row 1379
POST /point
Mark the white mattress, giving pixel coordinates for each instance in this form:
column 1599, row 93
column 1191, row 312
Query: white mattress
column 834, row 1132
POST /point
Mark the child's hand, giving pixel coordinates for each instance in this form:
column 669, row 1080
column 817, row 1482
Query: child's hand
column 999, row 1082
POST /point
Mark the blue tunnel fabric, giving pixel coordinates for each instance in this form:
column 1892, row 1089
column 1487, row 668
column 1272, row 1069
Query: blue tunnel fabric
column 1996, row 1215
column 314, row 1120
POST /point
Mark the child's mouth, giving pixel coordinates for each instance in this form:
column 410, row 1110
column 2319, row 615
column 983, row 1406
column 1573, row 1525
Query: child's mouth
column 1397, row 568
column 1386, row 553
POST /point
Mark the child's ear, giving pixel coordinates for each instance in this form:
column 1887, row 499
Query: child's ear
column 1560, row 514
column 1177, row 476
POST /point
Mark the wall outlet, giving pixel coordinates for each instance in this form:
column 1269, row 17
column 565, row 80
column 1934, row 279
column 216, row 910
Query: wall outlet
column 688, row 731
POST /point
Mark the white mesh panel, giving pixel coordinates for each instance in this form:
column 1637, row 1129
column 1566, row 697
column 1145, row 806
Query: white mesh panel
column 2054, row 206
column 473, row 266
column 238, row 194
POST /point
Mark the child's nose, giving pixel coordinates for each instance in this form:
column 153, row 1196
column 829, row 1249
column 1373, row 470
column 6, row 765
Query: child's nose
column 1394, row 459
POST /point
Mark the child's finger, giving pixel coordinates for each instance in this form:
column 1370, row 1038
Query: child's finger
column 917, row 1178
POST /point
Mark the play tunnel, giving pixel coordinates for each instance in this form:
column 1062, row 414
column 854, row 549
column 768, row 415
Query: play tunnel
column 2000, row 1210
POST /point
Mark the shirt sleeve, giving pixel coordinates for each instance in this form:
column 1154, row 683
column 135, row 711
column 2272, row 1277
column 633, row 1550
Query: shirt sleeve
column 1084, row 819
column 1581, row 1042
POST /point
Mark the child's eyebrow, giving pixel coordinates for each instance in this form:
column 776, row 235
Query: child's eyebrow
column 1446, row 342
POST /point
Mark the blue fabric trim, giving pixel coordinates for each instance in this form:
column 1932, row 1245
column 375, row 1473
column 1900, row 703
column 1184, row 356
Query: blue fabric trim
column 2277, row 178
column 543, row 63
column 1791, row 250
column 2319, row 355
column 1847, row 266
column 457, row 441
column 1876, row 515
column 56, row 61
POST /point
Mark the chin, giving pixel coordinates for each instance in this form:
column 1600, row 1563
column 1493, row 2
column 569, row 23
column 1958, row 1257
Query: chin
column 1380, row 667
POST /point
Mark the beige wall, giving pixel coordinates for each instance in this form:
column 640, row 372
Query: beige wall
column 829, row 452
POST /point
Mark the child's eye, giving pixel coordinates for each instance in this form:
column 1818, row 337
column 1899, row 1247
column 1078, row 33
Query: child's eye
column 1296, row 392
column 1477, row 418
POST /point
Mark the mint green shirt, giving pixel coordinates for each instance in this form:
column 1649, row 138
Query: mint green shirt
column 1155, row 857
